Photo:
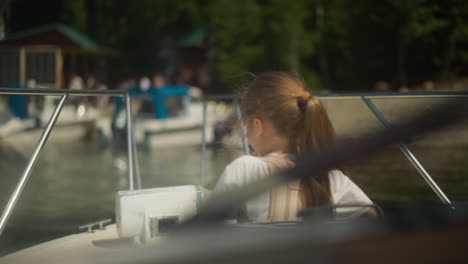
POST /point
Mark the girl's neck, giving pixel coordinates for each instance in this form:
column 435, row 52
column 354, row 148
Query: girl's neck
column 277, row 145
column 266, row 139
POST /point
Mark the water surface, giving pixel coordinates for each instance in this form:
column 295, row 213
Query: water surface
column 75, row 182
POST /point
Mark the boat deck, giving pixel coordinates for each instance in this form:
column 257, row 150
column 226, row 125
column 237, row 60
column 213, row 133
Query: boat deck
column 72, row 248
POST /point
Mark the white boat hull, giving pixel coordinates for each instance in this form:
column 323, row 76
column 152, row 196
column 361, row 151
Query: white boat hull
column 73, row 248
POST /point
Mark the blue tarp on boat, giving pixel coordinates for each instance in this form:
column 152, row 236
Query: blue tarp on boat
column 17, row 103
column 157, row 96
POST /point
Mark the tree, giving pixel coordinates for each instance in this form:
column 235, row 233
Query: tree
column 263, row 35
column 455, row 32
column 337, row 44
column 4, row 4
column 418, row 18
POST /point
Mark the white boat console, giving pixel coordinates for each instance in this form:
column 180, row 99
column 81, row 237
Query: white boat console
column 147, row 213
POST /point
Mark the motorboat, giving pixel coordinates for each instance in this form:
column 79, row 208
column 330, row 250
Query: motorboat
column 182, row 224
column 169, row 116
column 24, row 119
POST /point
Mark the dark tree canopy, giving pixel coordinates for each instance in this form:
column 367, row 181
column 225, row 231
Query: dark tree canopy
column 334, row 44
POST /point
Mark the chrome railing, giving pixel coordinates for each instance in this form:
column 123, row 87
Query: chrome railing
column 367, row 99
column 133, row 168
column 245, row 144
column 409, row 155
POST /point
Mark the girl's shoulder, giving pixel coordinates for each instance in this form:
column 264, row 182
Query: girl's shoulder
column 272, row 163
column 242, row 171
column 338, row 180
column 247, row 160
column 337, row 175
column 247, row 165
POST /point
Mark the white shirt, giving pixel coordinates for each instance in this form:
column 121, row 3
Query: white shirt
column 248, row 169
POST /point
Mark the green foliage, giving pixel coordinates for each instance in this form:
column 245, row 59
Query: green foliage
column 313, row 80
column 75, row 14
column 417, row 18
column 337, row 44
column 237, row 29
column 254, row 36
column 458, row 17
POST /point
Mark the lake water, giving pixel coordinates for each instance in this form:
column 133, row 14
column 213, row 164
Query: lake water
column 75, row 182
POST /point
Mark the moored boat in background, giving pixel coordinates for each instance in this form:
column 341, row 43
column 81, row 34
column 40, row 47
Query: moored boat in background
column 169, row 116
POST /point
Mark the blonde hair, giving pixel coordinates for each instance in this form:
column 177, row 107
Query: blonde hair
column 283, row 99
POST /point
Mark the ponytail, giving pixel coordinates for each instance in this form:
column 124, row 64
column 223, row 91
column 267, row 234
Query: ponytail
column 314, row 130
column 314, row 133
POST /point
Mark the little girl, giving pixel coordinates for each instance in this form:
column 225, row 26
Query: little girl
column 283, row 123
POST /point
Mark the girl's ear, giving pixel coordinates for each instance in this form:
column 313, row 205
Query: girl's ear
column 259, row 127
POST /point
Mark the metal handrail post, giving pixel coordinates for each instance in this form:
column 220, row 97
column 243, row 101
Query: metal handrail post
column 245, row 142
column 137, row 165
column 130, row 148
column 203, row 146
column 410, row 156
column 27, row 171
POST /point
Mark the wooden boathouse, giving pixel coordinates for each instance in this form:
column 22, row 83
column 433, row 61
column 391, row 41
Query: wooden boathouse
column 51, row 55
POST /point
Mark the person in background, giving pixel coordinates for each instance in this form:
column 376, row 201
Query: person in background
column 158, row 80
column 91, row 83
column 283, row 123
column 145, row 84
column 102, row 101
column 76, row 83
